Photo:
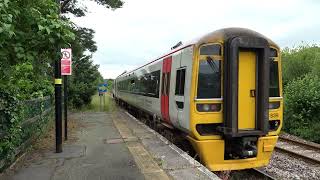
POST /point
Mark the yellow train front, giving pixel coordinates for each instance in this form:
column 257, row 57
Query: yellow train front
column 236, row 114
column 222, row 92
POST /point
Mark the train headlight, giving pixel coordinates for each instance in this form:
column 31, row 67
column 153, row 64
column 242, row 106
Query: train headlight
column 274, row 125
column 274, row 105
column 208, row 107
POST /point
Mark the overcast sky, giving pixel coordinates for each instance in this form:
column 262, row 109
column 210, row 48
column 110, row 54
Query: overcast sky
column 145, row 29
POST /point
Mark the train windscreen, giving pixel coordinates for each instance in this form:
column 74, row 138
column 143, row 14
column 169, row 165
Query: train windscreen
column 274, row 80
column 209, row 79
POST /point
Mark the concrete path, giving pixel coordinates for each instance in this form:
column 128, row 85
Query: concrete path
column 112, row 145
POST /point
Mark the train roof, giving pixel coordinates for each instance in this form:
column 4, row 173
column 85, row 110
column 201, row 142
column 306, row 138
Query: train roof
column 223, row 35
column 220, row 35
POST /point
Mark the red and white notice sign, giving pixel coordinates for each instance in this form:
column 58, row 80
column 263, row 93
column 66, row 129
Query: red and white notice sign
column 66, row 62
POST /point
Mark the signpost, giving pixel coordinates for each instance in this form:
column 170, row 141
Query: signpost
column 102, row 89
column 66, row 62
column 66, row 70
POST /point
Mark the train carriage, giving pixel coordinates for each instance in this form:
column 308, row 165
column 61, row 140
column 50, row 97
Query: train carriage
column 222, row 92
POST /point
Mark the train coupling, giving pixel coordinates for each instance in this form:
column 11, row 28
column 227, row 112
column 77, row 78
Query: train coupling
column 241, row 148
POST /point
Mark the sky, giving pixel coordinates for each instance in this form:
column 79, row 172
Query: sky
column 142, row 30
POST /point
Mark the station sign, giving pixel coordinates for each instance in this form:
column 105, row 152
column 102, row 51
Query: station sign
column 102, row 88
column 66, row 62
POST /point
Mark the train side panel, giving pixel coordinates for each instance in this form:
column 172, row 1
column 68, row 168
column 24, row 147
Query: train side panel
column 144, row 102
column 180, row 89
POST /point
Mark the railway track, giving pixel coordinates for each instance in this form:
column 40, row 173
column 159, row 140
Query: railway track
column 254, row 173
column 299, row 149
column 262, row 174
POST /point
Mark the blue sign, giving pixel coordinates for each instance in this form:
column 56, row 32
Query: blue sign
column 102, row 88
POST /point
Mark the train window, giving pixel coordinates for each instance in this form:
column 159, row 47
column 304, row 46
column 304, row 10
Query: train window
column 212, row 49
column 155, row 79
column 209, row 79
column 273, row 52
column 146, row 85
column 150, row 83
column 274, row 80
column 180, row 81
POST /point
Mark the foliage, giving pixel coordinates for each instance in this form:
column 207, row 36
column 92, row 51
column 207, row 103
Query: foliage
column 302, row 107
column 84, row 81
column 85, row 78
column 302, row 91
column 300, row 61
column 9, row 124
column 110, row 84
column 73, row 6
column 14, row 130
column 30, row 32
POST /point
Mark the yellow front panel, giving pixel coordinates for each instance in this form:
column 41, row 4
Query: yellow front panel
column 247, row 84
column 211, row 154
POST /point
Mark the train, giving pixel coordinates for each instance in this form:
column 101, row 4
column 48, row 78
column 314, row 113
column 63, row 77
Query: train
column 221, row 92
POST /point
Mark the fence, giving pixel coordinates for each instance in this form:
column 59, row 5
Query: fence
column 21, row 122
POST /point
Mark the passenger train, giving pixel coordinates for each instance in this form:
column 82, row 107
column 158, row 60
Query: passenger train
column 222, row 92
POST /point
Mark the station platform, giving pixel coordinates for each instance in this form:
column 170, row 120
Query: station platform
column 110, row 145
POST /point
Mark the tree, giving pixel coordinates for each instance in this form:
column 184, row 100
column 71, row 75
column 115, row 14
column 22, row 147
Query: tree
column 30, row 31
column 301, row 67
column 302, row 107
column 72, row 6
column 299, row 61
column 86, row 77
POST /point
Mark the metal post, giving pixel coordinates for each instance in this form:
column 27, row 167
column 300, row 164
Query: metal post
column 58, row 107
column 100, row 101
column 65, row 88
column 104, row 100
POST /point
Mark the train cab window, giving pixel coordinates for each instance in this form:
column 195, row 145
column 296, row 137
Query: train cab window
column 209, row 79
column 212, row 49
column 274, row 80
column 273, row 52
column 180, row 81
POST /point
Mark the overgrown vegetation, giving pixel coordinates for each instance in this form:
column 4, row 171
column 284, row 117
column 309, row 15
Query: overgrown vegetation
column 110, row 84
column 86, row 77
column 30, row 33
column 301, row 67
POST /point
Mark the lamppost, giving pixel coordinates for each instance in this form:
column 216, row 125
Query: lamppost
column 58, row 99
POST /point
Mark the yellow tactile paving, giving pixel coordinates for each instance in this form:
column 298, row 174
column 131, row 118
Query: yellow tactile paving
column 145, row 162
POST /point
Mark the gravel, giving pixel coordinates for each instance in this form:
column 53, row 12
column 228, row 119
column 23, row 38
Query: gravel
column 283, row 166
column 286, row 135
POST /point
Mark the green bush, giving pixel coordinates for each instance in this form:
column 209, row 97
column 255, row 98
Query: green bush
column 302, row 107
column 299, row 61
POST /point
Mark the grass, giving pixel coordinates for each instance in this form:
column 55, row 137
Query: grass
column 101, row 104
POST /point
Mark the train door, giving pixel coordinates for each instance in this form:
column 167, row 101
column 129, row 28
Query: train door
column 165, row 87
column 180, row 93
column 246, row 90
column 181, row 82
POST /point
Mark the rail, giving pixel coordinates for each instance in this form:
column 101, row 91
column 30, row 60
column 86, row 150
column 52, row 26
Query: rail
column 299, row 149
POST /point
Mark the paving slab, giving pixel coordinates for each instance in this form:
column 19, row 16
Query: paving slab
column 89, row 158
column 175, row 162
column 113, row 145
